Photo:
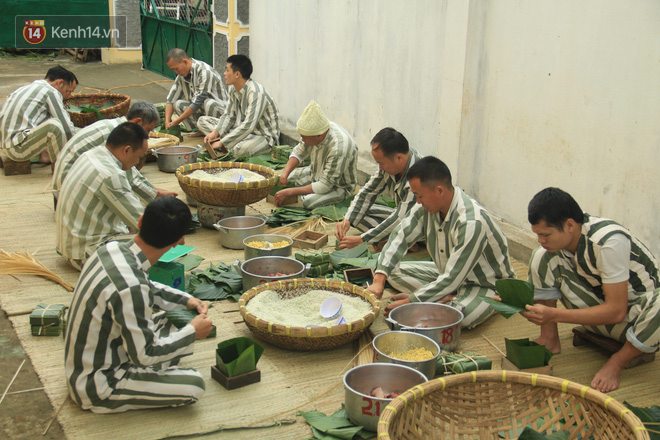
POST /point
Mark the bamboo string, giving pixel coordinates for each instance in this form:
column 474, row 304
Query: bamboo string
column 12, row 381
column 494, row 346
column 24, row 263
column 26, row 391
column 56, row 414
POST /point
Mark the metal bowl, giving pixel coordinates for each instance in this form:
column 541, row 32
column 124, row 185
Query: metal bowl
column 255, row 271
column 233, row 230
column 363, row 409
column 440, row 322
column 171, row 158
column 399, row 340
column 252, row 252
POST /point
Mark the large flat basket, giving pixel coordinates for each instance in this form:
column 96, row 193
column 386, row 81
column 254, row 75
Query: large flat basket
column 308, row 338
column 122, row 103
column 500, row 404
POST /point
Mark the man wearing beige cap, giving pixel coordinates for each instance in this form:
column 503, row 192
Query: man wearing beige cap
column 331, row 175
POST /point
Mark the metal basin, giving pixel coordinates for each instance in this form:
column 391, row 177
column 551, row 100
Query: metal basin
column 363, row 409
column 252, row 252
column 256, row 270
column 401, row 341
column 171, row 158
column 233, row 230
column 440, row 322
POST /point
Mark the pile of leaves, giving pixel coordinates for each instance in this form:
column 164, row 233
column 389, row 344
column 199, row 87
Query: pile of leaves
column 335, row 426
column 287, row 215
column 215, row 283
column 650, row 417
column 355, row 258
column 90, row 108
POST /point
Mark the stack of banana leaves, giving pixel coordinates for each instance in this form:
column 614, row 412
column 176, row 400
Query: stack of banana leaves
column 215, row 283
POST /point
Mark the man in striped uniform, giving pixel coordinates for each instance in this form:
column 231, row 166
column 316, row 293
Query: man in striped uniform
column 120, row 352
column 605, row 277
column 394, row 157
column 142, row 113
column 97, row 202
column 468, row 249
column 198, row 90
column 250, row 125
column 33, row 120
column 331, row 175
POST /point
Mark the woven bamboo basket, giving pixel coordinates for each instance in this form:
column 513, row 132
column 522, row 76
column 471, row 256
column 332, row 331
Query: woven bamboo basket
column 122, row 103
column 226, row 193
column 308, row 338
column 499, row 404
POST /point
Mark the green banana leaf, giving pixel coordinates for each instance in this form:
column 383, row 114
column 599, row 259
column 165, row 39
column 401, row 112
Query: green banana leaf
column 515, row 294
column 214, row 283
column 238, row 356
column 530, row 434
column 286, row 215
column 386, row 201
column 335, row 426
column 334, row 212
column 181, row 317
column 190, row 261
column 524, row 353
column 359, row 251
column 649, row 416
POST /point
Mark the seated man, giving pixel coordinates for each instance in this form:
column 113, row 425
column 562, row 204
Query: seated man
column 33, row 120
column 250, row 125
column 97, row 202
column 119, row 353
column 331, row 175
column 198, row 90
column 390, row 150
column 142, row 113
column 468, row 249
column 604, row 276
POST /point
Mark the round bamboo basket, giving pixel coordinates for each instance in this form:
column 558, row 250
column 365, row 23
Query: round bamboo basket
column 122, row 103
column 499, row 404
column 308, row 338
column 226, row 193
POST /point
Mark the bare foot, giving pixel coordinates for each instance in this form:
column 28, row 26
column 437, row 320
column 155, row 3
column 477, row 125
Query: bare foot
column 196, row 134
column 44, row 157
column 607, row 379
column 551, row 344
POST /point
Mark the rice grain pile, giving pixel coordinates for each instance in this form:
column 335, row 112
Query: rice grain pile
column 303, row 310
column 412, row 354
column 227, row 175
column 268, row 244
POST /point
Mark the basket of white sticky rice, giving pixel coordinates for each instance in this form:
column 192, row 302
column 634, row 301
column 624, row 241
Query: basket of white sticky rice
column 287, row 313
column 226, row 183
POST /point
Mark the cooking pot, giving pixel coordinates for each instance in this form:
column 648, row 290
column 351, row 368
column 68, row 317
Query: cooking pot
column 252, row 252
column 389, row 342
column 171, row 158
column 440, row 322
column 233, row 230
column 255, row 271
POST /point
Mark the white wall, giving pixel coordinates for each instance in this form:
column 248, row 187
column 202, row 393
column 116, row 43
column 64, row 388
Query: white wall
column 513, row 95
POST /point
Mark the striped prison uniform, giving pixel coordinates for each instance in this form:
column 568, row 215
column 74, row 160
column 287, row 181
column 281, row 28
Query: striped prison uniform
column 203, row 90
column 89, row 137
column 97, row 203
column 119, row 353
column 250, row 125
column 469, row 253
column 577, row 280
column 376, row 222
column 332, row 171
column 33, row 119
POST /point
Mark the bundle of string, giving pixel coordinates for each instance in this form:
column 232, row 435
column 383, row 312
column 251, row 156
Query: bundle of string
column 311, row 224
column 24, row 263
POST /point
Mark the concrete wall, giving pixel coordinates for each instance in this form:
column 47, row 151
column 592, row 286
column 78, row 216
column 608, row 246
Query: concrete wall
column 513, row 95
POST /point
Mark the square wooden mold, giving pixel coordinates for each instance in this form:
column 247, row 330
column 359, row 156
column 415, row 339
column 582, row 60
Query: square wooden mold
column 231, row 383
column 508, row 365
column 360, row 274
column 310, row 240
column 291, row 200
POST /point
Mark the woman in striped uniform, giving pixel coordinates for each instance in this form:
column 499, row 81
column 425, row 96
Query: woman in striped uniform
column 605, row 277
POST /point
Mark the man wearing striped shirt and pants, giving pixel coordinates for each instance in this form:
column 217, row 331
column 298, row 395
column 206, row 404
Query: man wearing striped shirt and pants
column 142, row 113
column 250, row 125
column 198, row 90
column 468, row 249
column 97, row 202
column 331, row 175
column 606, row 279
column 34, row 122
column 120, row 351
column 394, row 157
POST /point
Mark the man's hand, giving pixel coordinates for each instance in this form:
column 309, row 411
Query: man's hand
column 397, row 300
column 160, row 192
column 350, row 241
column 211, row 136
column 378, row 285
column 202, row 324
column 284, row 179
column 341, row 228
column 281, row 195
column 199, row 305
column 539, row 314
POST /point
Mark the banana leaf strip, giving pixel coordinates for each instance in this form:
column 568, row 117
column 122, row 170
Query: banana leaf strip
column 181, row 317
column 649, row 416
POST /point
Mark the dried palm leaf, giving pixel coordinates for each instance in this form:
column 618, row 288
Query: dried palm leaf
column 311, row 224
column 24, row 263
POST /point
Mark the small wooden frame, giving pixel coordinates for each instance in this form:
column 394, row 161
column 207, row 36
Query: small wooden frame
column 508, row 365
column 310, row 240
column 362, row 272
column 291, row 200
column 582, row 336
column 231, row 383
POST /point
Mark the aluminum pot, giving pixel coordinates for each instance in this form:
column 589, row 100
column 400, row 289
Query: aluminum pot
column 256, row 270
column 233, row 230
column 171, row 158
column 252, row 252
column 363, row 409
column 440, row 322
column 399, row 340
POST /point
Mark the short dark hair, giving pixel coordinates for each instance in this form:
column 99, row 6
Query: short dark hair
column 177, row 55
column 128, row 133
column 145, row 110
column 242, row 64
column 391, row 142
column 431, row 170
column 165, row 221
column 59, row 72
column 554, row 206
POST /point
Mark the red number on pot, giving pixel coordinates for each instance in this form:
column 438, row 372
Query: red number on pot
column 366, row 410
column 447, row 335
